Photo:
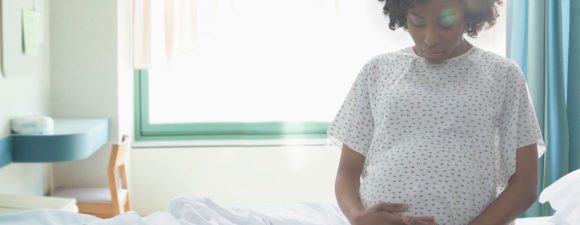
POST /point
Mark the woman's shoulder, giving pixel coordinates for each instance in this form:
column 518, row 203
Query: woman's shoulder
column 494, row 60
column 391, row 59
column 385, row 64
column 502, row 67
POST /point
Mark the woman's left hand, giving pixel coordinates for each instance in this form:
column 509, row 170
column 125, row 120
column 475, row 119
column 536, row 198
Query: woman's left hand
column 419, row 220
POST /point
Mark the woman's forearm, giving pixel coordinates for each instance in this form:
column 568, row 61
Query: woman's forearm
column 347, row 182
column 506, row 207
column 520, row 193
column 346, row 190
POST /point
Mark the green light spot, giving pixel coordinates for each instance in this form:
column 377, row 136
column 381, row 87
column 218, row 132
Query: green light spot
column 448, row 18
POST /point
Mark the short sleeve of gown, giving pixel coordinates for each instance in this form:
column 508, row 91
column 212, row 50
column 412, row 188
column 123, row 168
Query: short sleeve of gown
column 353, row 124
column 518, row 125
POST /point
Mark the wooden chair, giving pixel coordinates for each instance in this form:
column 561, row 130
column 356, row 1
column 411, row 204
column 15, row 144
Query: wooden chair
column 104, row 202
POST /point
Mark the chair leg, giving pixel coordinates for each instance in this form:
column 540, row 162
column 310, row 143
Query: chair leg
column 116, row 210
column 127, row 204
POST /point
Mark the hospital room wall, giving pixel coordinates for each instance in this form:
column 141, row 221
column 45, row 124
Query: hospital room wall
column 92, row 77
column 21, row 95
column 233, row 175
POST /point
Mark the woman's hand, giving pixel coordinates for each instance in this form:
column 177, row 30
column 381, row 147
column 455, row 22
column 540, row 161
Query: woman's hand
column 419, row 220
column 389, row 214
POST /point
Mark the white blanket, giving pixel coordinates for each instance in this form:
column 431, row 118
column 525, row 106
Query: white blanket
column 45, row 217
column 59, row 217
column 204, row 211
column 132, row 218
column 194, row 211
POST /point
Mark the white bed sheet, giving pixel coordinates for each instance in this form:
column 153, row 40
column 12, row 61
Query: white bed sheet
column 204, row 211
column 60, row 217
column 45, row 217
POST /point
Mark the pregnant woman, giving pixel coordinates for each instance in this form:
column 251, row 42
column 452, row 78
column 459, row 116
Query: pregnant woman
column 441, row 132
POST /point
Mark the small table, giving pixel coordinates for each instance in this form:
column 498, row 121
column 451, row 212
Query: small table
column 17, row 203
column 72, row 139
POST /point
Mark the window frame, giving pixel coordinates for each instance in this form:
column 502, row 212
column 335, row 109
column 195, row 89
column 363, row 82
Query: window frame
column 277, row 130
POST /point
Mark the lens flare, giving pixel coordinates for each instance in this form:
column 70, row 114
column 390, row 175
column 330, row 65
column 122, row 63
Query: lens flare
column 448, row 17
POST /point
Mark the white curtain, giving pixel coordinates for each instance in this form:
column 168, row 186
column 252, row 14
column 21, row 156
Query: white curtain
column 162, row 29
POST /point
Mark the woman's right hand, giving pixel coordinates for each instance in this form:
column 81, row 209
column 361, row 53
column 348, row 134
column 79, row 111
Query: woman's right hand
column 389, row 214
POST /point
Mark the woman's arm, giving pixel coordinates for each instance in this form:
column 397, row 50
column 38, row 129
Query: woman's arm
column 347, row 194
column 520, row 193
column 348, row 182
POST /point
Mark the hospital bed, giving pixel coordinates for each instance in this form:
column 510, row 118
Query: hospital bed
column 203, row 211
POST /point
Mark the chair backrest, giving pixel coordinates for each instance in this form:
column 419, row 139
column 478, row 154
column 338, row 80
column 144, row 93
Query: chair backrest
column 117, row 162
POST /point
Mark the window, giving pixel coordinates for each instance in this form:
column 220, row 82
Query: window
column 263, row 69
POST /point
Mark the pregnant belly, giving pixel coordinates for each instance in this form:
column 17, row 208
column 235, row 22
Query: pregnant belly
column 446, row 182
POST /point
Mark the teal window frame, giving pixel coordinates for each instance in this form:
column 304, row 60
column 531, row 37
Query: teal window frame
column 215, row 131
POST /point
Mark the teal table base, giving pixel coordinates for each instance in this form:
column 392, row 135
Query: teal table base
column 72, row 139
column 5, row 151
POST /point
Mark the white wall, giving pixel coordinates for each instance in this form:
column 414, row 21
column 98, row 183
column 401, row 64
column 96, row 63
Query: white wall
column 233, row 175
column 25, row 94
column 92, row 77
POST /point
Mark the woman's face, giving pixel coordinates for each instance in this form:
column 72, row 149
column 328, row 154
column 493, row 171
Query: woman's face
column 437, row 28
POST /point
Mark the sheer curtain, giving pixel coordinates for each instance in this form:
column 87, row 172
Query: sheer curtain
column 162, row 29
column 270, row 60
column 277, row 60
column 544, row 39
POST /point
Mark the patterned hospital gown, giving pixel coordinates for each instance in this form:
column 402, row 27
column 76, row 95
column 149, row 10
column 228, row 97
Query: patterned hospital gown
column 439, row 137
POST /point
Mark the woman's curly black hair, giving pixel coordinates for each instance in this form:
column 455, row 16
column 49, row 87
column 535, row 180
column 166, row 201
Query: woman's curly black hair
column 485, row 12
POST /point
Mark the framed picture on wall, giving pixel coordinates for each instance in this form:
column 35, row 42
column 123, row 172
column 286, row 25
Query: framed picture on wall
column 23, row 52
